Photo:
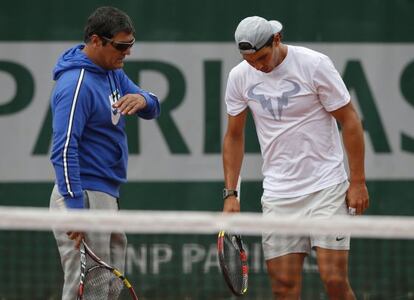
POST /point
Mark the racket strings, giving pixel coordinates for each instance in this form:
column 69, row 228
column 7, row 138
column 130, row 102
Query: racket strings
column 233, row 263
column 100, row 283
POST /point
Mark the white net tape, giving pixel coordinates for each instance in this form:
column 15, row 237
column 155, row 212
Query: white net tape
column 196, row 222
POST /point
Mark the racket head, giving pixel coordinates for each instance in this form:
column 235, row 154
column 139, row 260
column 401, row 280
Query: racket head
column 101, row 281
column 233, row 262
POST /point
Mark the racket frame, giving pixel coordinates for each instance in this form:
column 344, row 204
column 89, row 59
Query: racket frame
column 243, row 259
column 86, row 250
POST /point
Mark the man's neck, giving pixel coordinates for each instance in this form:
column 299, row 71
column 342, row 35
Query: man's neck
column 91, row 54
column 283, row 50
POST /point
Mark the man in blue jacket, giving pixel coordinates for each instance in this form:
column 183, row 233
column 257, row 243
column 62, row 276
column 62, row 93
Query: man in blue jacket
column 90, row 100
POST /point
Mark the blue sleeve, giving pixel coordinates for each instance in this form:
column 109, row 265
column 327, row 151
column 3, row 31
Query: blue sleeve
column 152, row 110
column 70, row 111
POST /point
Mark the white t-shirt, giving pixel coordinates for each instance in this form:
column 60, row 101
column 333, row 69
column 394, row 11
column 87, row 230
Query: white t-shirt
column 299, row 138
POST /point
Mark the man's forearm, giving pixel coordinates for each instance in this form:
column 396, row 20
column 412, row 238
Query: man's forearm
column 233, row 150
column 353, row 137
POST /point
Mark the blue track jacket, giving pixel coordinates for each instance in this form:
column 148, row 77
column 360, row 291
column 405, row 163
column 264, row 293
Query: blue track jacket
column 89, row 148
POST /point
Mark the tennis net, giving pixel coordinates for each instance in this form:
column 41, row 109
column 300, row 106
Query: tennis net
column 172, row 255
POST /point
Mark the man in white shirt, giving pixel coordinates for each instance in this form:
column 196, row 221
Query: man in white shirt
column 295, row 96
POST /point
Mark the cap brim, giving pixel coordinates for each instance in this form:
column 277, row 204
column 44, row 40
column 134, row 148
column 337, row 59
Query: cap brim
column 276, row 26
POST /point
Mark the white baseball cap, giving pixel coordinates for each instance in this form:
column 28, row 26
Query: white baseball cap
column 277, row 26
column 253, row 33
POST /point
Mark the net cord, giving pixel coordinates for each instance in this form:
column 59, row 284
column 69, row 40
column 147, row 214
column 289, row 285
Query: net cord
column 201, row 222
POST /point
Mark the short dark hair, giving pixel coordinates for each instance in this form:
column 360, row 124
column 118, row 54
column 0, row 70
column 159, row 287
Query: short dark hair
column 246, row 47
column 107, row 21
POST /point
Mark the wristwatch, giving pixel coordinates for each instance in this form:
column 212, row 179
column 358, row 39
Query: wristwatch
column 227, row 193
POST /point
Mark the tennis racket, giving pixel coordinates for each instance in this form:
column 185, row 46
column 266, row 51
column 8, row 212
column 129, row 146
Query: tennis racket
column 98, row 280
column 233, row 258
column 233, row 262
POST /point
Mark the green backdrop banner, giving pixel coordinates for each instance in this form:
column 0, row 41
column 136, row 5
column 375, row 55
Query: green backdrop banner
column 215, row 20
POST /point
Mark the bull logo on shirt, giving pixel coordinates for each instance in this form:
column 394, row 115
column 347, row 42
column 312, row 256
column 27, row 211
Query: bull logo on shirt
column 115, row 114
column 266, row 103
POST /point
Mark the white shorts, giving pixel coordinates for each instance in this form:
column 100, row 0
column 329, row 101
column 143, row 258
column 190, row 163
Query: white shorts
column 321, row 204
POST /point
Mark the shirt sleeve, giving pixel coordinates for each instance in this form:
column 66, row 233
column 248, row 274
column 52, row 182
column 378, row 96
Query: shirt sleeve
column 235, row 101
column 153, row 109
column 330, row 87
column 70, row 110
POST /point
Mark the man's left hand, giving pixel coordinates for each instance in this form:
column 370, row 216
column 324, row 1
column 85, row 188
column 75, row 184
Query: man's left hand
column 357, row 197
column 130, row 104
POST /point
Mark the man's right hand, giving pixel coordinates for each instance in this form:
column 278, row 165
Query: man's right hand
column 77, row 237
column 231, row 204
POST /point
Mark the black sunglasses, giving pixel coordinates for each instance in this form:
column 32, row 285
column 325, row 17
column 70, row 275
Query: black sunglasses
column 120, row 46
column 247, row 48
